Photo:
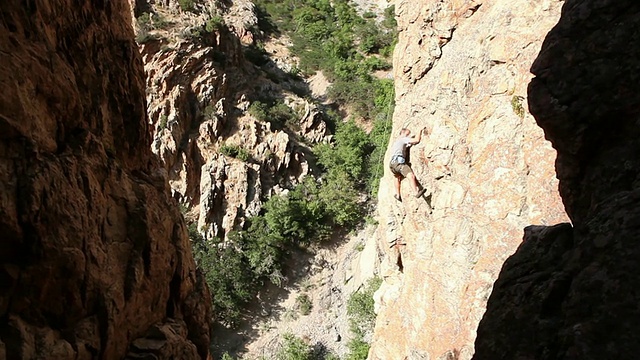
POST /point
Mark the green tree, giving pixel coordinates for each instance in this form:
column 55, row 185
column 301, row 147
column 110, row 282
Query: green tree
column 224, row 269
column 349, row 152
column 340, row 199
column 360, row 308
column 294, row 349
column 186, row 5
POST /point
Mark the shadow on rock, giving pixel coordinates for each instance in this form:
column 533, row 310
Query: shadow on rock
column 572, row 292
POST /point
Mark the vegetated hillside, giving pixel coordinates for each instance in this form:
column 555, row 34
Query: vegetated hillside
column 261, row 167
column 95, row 262
column 461, row 69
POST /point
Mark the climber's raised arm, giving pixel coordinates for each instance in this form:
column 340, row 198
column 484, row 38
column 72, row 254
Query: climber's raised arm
column 419, row 137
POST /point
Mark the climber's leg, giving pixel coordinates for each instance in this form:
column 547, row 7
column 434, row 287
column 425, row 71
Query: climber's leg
column 397, row 180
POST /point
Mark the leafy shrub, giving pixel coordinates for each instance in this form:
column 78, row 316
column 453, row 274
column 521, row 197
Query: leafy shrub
column 369, row 15
column 390, row 18
column 152, row 21
column 275, row 112
column 303, row 303
column 215, row 23
column 349, row 153
column 256, row 54
column 282, row 114
column 360, row 308
column 187, row 5
column 163, row 121
column 371, row 39
column 224, row 271
column 300, row 217
column 159, row 21
column 259, row 110
column 341, row 199
column 516, row 105
column 144, row 25
column 358, row 349
column 229, row 150
column 144, row 20
column 226, row 356
column 209, row 113
column 294, row 349
column 235, row 152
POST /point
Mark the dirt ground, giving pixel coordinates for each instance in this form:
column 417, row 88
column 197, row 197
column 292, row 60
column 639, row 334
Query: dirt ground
column 327, row 278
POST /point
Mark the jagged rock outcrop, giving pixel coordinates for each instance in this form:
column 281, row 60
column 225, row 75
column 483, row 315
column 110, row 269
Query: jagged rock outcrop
column 461, row 70
column 199, row 87
column 572, row 292
column 95, row 260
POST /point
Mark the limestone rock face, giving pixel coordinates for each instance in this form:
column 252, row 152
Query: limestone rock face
column 199, row 89
column 461, row 70
column 95, row 260
column 571, row 292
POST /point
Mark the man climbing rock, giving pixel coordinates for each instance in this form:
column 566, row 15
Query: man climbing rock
column 400, row 166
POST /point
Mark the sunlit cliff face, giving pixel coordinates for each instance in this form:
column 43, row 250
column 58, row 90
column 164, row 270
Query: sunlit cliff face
column 461, row 70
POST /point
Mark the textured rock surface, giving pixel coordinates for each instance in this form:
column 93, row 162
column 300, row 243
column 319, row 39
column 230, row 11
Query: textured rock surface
column 461, row 70
column 198, row 91
column 94, row 258
column 572, row 293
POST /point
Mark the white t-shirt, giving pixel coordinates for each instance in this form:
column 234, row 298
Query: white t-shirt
column 399, row 147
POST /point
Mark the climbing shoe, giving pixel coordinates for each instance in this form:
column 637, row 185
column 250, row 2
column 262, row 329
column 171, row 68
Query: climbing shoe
column 397, row 197
column 420, row 193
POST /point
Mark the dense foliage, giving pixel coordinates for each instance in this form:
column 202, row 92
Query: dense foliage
column 330, row 36
column 333, row 38
column 276, row 112
column 236, row 269
column 294, row 348
column 360, row 308
column 235, row 151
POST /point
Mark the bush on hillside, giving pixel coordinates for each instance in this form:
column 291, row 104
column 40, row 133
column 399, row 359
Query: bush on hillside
column 224, row 271
column 215, row 23
column 276, row 112
column 360, row 308
column 329, row 36
column 303, row 303
column 187, row 5
column 294, row 348
column 235, row 151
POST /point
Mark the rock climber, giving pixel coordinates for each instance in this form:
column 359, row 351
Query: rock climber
column 399, row 165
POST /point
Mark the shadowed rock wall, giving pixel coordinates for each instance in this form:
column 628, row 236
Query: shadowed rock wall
column 572, row 292
column 461, row 69
column 95, row 261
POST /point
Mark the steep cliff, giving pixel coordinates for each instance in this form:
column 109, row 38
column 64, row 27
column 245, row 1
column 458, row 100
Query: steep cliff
column 572, row 292
column 200, row 86
column 95, row 258
column 461, row 70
